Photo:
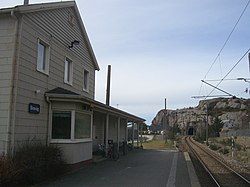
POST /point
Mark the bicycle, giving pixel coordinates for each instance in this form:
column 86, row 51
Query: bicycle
column 123, row 148
column 101, row 150
column 113, row 150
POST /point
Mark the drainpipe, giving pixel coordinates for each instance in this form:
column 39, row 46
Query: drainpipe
column 9, row 148
column 49, row 121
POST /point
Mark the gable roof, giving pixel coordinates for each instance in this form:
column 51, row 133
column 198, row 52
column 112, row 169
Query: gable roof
column 22, row 9
column 60, row 90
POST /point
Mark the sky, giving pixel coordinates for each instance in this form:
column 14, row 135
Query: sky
column 163, row 49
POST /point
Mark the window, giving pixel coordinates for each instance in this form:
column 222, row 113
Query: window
column 68, row 71
column 61, row 125
column 42, row 57
column 70, row 126
column 85, row 80
column 82, row 125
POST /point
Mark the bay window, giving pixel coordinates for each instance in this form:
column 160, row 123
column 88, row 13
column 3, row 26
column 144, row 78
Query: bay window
column 61, row 125
column 82, row 125
column 71, row 125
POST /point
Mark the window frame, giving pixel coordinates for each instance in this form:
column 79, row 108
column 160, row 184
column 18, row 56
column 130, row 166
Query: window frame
column 47, row 57
column 71, row 125
column 72, row 133
column 87, row 89
column 91, row 125
column 70, row 71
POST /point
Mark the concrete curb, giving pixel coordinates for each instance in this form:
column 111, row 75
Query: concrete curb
column 191, row 171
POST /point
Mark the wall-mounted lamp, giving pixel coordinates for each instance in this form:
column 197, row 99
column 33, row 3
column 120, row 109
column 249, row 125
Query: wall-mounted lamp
column 37, row 91
column 75, row 42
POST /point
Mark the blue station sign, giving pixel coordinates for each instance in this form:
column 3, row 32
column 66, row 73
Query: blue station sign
column 34, row 108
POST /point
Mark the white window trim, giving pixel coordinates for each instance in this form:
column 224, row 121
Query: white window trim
column 73, row 121
column 86, row 90
column 70, row 82
column 46, row 71
column 70, row 141
column 72, row 133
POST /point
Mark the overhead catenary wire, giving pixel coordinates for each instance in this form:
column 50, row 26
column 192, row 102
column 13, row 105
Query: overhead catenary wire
column 229, row 36
column 237, row 79
column 225, row 43
column 228, row 72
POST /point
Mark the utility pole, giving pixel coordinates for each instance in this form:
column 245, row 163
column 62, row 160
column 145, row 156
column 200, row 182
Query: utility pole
column 206, row 124
column 108, row 86
column 165, row 126
column 165, row 103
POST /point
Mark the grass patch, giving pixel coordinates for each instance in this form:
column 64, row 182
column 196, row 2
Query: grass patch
column 214, row 146
column 242, row 147
column 158, row 144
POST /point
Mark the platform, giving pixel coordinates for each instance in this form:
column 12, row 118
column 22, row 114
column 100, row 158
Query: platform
column 139, row 168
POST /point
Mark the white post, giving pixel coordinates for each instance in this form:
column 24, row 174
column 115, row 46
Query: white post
column 137, row 126
column 118, row 133
column 141, row 134
column 126, row 131
column 107, row 133
column 133, row 133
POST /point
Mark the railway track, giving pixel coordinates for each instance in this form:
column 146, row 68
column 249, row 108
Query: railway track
column 220, row 173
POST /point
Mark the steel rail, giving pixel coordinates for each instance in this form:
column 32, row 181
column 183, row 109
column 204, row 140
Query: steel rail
column 202, row 162
column 217, row 159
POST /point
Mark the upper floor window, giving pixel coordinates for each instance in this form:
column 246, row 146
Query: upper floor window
column 85, row 80
column 42, row 57
column 68, row 71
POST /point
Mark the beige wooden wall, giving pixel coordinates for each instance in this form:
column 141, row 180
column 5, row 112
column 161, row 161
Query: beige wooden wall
column 7, row 40
column 52, row 27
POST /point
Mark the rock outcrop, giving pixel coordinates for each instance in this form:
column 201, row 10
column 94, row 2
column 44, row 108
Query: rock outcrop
column 234, row 113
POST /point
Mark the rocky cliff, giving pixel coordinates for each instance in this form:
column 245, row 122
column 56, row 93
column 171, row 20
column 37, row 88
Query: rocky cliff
column 234, row 113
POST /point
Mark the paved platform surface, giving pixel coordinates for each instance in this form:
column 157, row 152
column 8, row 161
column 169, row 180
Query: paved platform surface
column 156, row 168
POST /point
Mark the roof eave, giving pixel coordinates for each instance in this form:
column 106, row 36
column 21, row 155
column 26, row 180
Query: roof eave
column 94, row 103
column 87, row 39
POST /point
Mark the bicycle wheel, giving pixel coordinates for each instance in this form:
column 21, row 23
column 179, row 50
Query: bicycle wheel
column 116, row 156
